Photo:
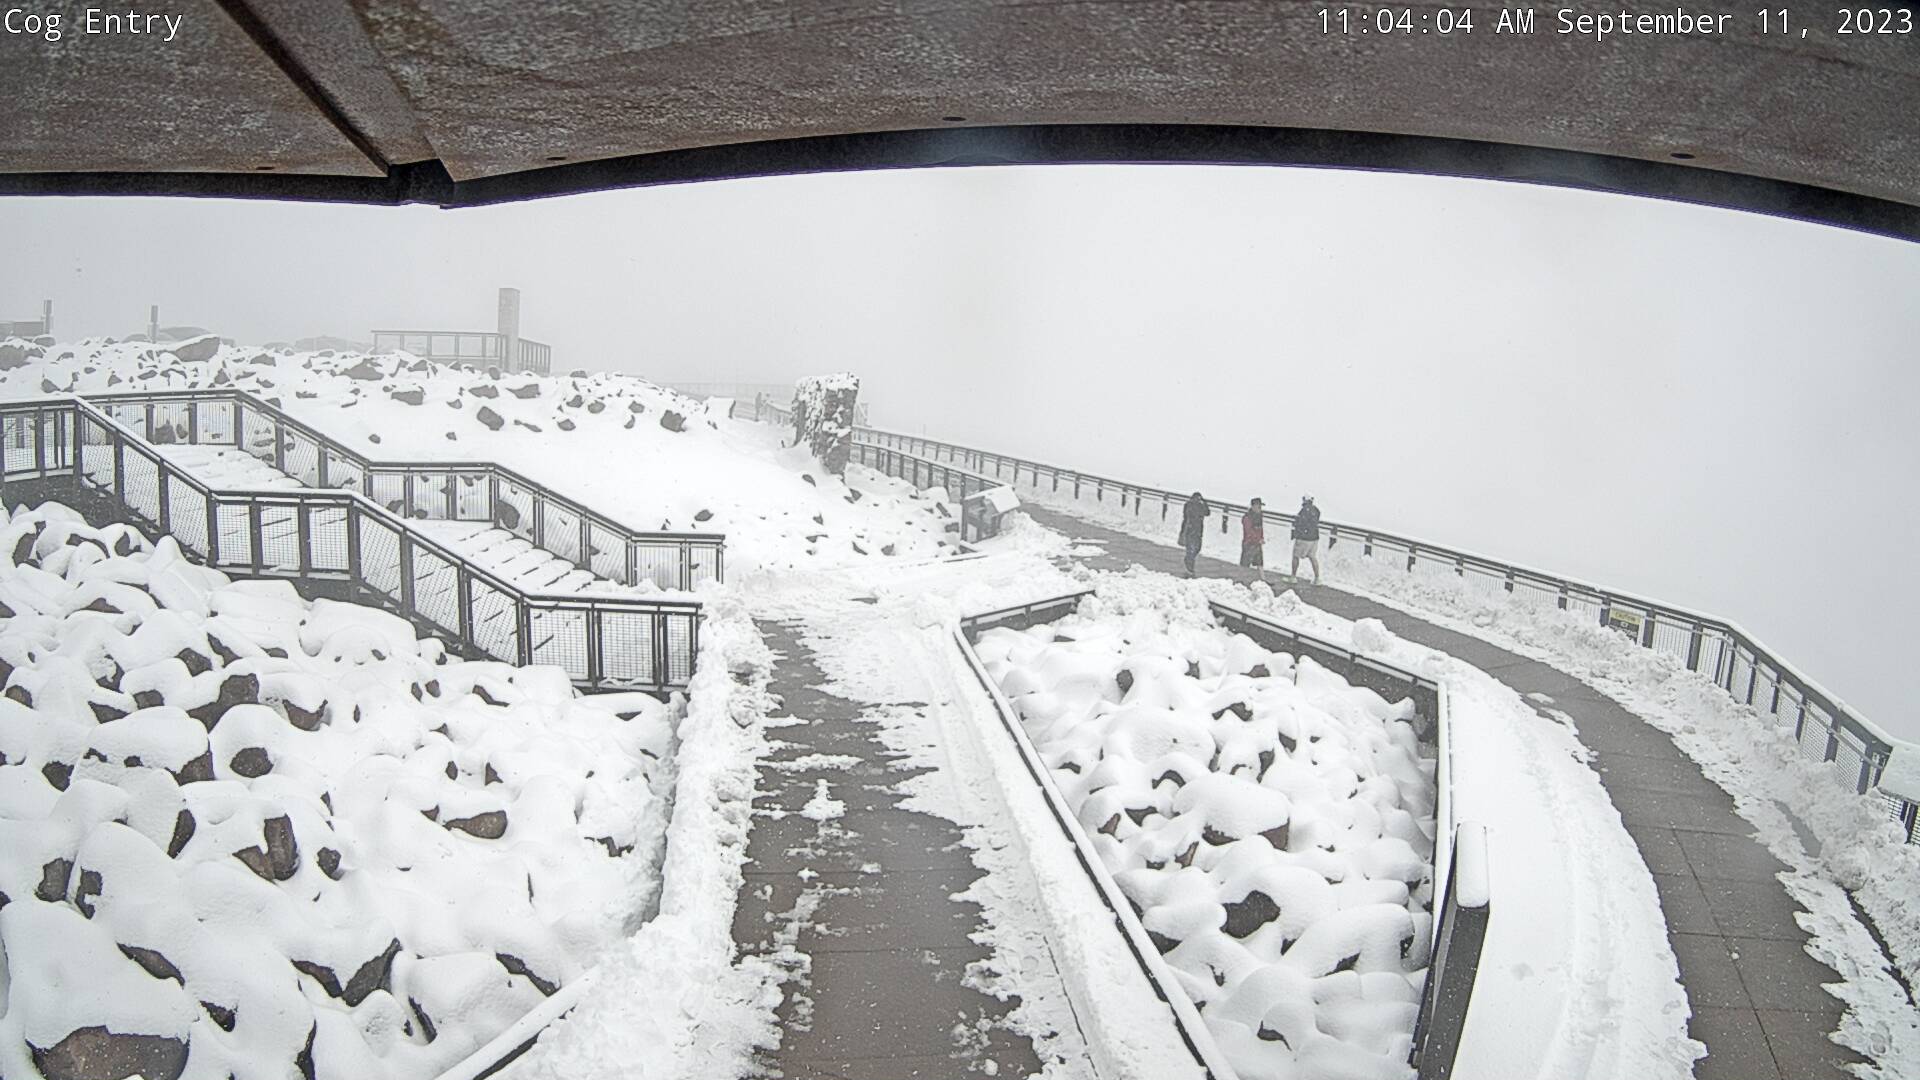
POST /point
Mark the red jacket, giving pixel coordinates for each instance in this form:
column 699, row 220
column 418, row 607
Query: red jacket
column 1253, row 529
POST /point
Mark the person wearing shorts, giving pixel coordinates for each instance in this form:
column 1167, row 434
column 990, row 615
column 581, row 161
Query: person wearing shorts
column 1306, row 538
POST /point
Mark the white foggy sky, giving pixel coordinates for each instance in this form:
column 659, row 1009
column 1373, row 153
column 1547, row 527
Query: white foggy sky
column 1708, row 407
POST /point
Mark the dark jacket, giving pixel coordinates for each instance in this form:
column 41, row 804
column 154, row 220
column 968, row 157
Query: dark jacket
column 1306, row 524
column 1193, row 521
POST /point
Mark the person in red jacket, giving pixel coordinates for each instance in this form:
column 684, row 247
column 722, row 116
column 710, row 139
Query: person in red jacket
column 1253, row 538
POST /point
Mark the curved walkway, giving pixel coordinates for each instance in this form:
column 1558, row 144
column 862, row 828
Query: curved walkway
column 1756, row 993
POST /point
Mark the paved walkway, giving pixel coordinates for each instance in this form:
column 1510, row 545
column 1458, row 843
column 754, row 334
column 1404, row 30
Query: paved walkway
column 858, row 905
column 1757, row 1001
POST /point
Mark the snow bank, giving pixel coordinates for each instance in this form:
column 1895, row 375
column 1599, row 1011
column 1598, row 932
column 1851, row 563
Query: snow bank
column 672, row 1002
column 659, row 461
column 1271, row 824
column 243, row 833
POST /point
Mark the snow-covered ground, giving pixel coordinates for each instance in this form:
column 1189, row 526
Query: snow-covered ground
column 1272, row 824
column 1773, row 785
column 646, row 456
column 249, row 834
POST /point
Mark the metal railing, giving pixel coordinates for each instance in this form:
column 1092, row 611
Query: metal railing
column 437, row 491
column 343, row 536
column 474, row 348
column 1733, row 659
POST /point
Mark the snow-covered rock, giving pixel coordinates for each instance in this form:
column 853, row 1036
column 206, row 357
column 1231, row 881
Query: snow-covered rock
column 245, row 834
column 1272, row 825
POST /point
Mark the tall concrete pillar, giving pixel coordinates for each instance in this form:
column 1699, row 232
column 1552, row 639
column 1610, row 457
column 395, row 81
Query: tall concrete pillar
column 510, row 328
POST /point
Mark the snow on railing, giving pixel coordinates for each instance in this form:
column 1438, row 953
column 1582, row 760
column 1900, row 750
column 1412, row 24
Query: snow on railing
column 1825, row 730
column 345, row 537
column 447, row 491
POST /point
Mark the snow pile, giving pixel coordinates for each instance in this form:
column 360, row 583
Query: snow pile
column 1272, row 824
column 657, row 460
column 245, row 834
column 673, row 1002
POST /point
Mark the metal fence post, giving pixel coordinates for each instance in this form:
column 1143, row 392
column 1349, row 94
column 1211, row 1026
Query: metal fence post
column 463, row 590
column 596, row 666
column 213, row 531
column 279, row 444
column 303, row 523
column 1693, row 649
column 406, row 574
column 164, row 477
column 356, row 574
column 1646, row 630
column 539, row 521
column 253, row 537
column 686, row 566
column 523, row 620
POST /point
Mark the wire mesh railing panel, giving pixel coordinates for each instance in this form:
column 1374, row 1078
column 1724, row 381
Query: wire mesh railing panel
column 1849, row 756
column 327, row 538
column 559, row 637
column 608, row 557
column 627, row 641
column 433, row 496
column 707, row 563
column 681, row 631
column 513, row 510
column 495, row 622
column 436, row 590
column 380, row 557
column 187, row 516
column 280, row 537
column 343, row 473
column 473, row 497
column 231, row 523
column 301, row 458
column 215, row 423
column 257, row 434
column 1676, row 640
column 170, row 422
column 140, row 484
column 658, row 564
column 96, row 454
column 20, row 434
column 560, row 532
column 389, row 489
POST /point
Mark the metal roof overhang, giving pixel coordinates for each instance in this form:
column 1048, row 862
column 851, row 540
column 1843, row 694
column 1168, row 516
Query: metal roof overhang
column 470, row 102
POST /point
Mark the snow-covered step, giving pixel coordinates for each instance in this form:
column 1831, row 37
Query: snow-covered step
column 227, row 467
column 508, row 556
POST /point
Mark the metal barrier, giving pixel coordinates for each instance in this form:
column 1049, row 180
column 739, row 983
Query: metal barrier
column 449, row 491
column 341, row 535
column 921, row 473
column 1733, row 659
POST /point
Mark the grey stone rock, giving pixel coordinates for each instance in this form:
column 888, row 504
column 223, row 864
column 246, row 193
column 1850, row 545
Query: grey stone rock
column 94, row 1053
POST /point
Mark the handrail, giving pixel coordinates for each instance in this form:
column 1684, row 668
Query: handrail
column 680, row 546
column 656, row 642
column 1740, row 665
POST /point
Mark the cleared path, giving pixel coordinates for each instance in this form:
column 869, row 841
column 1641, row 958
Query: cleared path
column 1756, row 994
column 853, row 896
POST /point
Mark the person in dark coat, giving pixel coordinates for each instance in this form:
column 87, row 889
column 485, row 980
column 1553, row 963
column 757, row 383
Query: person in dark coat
column 1193, row 527
column 1253, row 538
column 1306, row 538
